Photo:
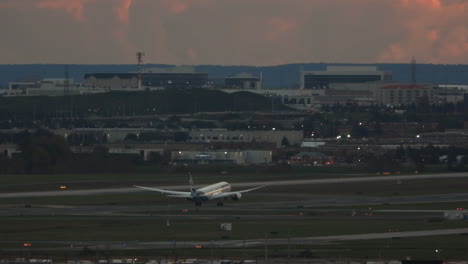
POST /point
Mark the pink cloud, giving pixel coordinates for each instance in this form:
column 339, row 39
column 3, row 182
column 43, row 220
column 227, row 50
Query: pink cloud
column 123, row 9
column 277, row 27
column 256, row 31
column 176, row 6
column 435, row 31
column 73, row 7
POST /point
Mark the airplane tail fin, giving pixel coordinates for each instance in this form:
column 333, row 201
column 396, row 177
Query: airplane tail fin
column 192, row 185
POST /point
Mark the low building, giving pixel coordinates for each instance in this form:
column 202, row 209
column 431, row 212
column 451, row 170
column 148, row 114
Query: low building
column 243, row 81
column 245, row 157
column 295, row 98
column 172, row 77
column 49, row 87
column 312, row 158
column 112, row 81
column 450, row 93
column 223, row 135
column 402, row 94
column 141, row 151
column 320, row 80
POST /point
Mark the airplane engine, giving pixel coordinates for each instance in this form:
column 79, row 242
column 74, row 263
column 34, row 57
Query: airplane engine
column 236, row 196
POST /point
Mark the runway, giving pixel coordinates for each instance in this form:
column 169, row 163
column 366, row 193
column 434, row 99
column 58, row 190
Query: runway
column 313, row 240
column 236, row 185
column 321, row 201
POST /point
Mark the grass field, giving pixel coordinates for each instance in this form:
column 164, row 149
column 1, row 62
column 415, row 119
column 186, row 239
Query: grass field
column 76, row 228
column 82, row 230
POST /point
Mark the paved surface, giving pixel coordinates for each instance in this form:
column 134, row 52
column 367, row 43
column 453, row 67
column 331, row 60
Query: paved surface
column 311, row 201
column 237, row 185
column 319, row 202
column 246, row 243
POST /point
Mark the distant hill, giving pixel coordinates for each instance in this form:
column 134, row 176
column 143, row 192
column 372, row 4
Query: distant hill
column 286, row 76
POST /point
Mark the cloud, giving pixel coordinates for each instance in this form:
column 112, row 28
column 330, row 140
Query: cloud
column 123, row 9
column 434, row 4
column 278, row 26
column 176, row 6
column 435, row 31
column 73, row 7
column 254, row 32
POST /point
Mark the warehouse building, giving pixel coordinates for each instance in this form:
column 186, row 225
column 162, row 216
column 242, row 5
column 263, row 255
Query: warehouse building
column 245, row 157
column 243, row 81
column 174, row 77
column 402, row 94
column 318, row 80
column 222, row 135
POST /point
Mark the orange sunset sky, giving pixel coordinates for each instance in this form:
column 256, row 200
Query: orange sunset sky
column 233, row 32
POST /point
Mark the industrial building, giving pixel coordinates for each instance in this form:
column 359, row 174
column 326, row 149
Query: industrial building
column 245, row 157
column 49, row 87
column 318, row 80
column 450, row 93
column 174, row 77
column 223, row 135
column 243, row 81
column 336, row 85
column 112, row 81
column 401, row 94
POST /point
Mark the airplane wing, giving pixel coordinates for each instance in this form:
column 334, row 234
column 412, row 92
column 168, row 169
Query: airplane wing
column 167, row 192
column 225, row 194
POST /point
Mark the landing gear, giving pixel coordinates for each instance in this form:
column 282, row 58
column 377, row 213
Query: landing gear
column 197, row 203
column 220, row 204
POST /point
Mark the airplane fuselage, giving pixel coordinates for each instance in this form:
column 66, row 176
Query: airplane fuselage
column 208, row 192
column 218, row 191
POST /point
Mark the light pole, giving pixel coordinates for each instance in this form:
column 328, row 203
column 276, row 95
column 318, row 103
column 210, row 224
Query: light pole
column 266, row 248
column 211, row 252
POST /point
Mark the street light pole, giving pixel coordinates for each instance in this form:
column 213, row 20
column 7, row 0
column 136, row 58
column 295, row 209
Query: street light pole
column 266, row 248
column 211, row 252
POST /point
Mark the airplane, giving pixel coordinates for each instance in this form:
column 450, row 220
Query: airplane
column 218, row 190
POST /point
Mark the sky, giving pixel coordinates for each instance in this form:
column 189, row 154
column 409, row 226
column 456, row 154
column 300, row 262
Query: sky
column 233, row 32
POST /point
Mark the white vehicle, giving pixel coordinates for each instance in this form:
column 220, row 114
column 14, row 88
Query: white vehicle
column 218, row 191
